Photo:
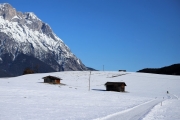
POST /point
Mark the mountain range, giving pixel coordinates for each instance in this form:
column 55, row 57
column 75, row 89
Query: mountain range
column 26, row 41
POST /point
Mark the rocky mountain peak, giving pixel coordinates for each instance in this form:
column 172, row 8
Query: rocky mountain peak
column 25, row 33
column 31, row 16
column 7, row 11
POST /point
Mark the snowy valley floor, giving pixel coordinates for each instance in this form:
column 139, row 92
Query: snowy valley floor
column 28, row 98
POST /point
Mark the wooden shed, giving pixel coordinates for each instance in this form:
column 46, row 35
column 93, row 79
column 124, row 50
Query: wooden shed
column 115, row 86
column 122, row 70
column 52, row 79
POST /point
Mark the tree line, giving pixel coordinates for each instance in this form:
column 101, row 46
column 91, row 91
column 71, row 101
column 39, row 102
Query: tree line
column 168, row 70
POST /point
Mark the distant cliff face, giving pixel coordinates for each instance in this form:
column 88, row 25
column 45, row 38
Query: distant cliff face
column 25, row 33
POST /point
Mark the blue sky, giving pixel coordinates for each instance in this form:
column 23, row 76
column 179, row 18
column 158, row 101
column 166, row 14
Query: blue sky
column 119, row 34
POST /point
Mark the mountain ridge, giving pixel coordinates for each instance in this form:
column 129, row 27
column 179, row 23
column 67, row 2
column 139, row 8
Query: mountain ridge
column 25, row 33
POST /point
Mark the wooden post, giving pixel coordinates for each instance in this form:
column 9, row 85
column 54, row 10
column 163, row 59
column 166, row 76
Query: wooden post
column 89, row 80
column 161, row 101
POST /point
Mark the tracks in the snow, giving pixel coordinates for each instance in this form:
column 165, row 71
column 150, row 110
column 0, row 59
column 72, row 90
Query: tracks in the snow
column 135, row 113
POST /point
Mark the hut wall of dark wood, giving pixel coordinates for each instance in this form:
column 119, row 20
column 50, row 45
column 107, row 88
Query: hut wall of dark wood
column 47, row 80
column 51, row 79
column 57, row 81
column 115, row 86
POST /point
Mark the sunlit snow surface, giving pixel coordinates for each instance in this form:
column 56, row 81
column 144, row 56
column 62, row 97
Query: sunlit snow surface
column 27, row 97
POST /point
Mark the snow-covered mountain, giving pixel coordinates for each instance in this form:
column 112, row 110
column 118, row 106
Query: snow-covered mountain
column 25, row 33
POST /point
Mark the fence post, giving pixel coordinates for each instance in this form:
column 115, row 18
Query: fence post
column 89, row 80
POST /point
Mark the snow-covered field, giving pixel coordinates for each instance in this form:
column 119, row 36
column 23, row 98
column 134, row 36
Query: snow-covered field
column 28, row 98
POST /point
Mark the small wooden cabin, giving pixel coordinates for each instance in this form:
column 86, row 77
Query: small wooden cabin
column 115, row 86
column 52, row 79
column 122, row 70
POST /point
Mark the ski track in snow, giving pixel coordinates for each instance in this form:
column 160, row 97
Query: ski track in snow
column 134, row 113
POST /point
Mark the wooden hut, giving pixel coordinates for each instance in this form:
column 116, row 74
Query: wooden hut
column 52, row 79
column 122, row 70
column 115, row 86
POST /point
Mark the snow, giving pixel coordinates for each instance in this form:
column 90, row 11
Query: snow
column 2, row 5
column 78, row 61
column 169, row 110
column 40, row 42
column 29, row 37
column 27, row 97
column 29, row 22
column 32, row 16
column 132, row 113
column 15, row 17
